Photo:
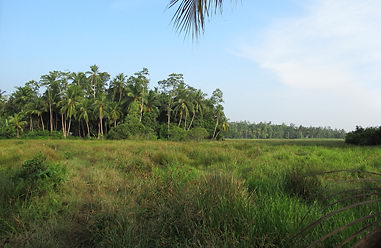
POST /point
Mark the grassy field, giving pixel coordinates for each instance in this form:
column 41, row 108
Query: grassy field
column 166, row 194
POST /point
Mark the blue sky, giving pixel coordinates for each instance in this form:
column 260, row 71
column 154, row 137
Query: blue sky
column 314, row 62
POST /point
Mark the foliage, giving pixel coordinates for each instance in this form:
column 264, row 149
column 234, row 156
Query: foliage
column 369, row 136
column 7, row 132
column 197, row 134
column 191, row 15
column 131, row 129
column 39, row 176
column 176, row 133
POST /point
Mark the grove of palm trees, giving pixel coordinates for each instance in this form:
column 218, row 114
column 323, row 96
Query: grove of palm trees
column 92, row 104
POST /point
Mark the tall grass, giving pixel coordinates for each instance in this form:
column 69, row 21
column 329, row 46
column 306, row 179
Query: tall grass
column 170, row 194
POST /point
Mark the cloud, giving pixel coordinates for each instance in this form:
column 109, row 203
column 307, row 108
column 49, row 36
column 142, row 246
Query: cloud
column 334, row 46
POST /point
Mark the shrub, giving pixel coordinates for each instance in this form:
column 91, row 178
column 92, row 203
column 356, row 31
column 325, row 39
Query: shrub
column 197, row 134
column 368, row 136
column 7, row 132
column 39, row 176
column 177, row 133
column 131, row 129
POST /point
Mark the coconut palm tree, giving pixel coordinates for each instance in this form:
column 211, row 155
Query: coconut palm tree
column 151, row 101
column 94, row 79
column 118, row 85
column 114, row 113
column 70, row 103
column 101, row 106
column 138, row 89
column 79, row 79
column 38, row 108
column 84, row 112
column 182, row 106
column 50, row 81
column 97, row 80
column 18, row 123
column 197, row 105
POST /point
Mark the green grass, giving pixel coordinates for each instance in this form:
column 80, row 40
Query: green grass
column 166, row 194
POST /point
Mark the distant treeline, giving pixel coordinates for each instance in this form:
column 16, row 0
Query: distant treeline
column 267, row 130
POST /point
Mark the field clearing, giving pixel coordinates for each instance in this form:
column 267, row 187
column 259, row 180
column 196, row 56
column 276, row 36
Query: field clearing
column 235, row 193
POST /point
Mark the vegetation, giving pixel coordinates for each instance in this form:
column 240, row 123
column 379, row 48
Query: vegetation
column 369, row 136
column 91, row 104
column 191, row 15
column 181, row 194
column 263, row 130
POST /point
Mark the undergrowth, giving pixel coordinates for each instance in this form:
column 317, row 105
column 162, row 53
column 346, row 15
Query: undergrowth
column 170, row 194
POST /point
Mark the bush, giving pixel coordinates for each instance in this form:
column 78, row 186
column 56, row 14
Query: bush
column 369, row 136
column 197, row 134
column 7, row 132
column 177, row 133
column 38, row 176
column 43, row 134
column 132, row 129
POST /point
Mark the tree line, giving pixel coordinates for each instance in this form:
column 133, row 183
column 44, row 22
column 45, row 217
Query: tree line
column 91, row 104
column 267, row 130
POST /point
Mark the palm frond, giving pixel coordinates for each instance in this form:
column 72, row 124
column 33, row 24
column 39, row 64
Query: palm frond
column 356, row 198
column 191, row 15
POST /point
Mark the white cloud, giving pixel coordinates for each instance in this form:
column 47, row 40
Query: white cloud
column 334, row 46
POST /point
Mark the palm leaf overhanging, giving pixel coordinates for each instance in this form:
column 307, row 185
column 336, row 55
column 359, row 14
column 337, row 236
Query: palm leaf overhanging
column 363, row 192
column 191, row 15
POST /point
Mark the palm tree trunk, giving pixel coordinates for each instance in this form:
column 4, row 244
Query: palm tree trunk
column 68, row 130
column 100, row 133
column 181, row 116
column 88, row 129
column 17, row 133
column 63, row 125
column 185, row 123
column 190, row 125
column 218, row 134
column 42, row 123
column 215, row 129
column 169, row 118
column 31, row 123
column 141, row 111
column 51, row 116
column 102, row 127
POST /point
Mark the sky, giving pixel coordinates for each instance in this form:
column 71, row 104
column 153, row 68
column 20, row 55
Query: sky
column 307, row 62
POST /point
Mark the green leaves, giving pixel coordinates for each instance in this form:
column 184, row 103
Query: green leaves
column 191, row 15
